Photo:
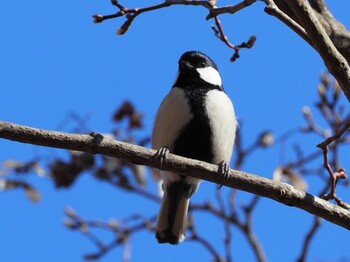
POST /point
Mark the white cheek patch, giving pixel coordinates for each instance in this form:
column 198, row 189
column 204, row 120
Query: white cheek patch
column 210, row 75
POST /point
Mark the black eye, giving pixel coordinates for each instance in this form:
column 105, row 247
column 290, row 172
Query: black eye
column 202, row 64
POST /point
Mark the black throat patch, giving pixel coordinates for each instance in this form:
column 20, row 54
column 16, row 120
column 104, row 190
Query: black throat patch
column 195, row 139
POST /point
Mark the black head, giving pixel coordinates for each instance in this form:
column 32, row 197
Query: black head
column 196, row 59
column 197, row 69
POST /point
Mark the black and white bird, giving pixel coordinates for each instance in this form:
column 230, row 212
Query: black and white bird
column 195, row 120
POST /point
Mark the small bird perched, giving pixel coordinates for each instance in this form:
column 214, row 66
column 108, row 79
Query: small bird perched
column 195, row 120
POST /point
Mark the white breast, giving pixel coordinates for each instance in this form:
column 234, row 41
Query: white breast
column 173, row 114
column 223, row 123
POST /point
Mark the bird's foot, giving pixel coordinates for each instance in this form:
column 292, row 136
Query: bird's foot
column 223, row 171
column 96, row 140
column 161, row 155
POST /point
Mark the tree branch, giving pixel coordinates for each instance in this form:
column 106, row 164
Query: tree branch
column 272, row 9
column 219, row 32
column 315, row 24
column 340, row 174
column 320, row 40
column 131, row 13
column 261, row 186
column 338, row 33
column 315, row 226
column 230, row 9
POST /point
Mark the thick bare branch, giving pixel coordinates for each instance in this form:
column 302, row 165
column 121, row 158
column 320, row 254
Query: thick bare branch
column 278, row 191
column 306, row 17
column 337, row 32
column 274, row 10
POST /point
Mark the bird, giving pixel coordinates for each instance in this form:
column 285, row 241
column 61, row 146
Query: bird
column 195, row 120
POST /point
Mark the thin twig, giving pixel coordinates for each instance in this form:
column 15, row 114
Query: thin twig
column 338, row 135
column 231, row 9
column 201, row 240
column 219, row 32
column 227, row 226
column 315, row 226
column 248, row 229
column 312, row 232
column 132, row 13
column 121, row 231
column 334, row 176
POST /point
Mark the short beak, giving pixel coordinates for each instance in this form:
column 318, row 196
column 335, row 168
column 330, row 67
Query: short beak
column 185, row 65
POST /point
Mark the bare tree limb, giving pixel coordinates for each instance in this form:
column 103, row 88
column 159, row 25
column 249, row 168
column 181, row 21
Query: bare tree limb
column 272, row 9
column 341, row 173
column 230, row 9
column 251, row 235
column 219, row 32
column 195, row 236
column 227, row 226
column 122, row 231
column 336, row 30
column 131, row 13
column 315, row 226
column 315, row 24
column 320, row 40
column 275, row 190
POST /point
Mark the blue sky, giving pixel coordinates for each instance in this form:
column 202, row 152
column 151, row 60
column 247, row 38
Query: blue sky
column 54, row 61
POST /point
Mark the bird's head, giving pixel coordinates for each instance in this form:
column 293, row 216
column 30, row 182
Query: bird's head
column 197, row 68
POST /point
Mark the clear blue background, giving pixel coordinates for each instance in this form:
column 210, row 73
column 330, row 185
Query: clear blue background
column 54, row 61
